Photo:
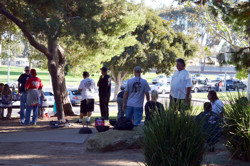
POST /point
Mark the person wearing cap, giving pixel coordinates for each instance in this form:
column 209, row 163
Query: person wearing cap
column 137, row 88
column 181, row 86
column 120, row 102
column 21, row 91
column 32, row 86
column 104, row 85
column 87, row 89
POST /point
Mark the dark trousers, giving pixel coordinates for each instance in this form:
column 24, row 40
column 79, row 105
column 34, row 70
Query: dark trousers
column 177, row 104
column 104, row 106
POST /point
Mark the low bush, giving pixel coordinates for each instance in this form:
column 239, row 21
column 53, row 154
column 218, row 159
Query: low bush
column 173, row 139
column 237, row 126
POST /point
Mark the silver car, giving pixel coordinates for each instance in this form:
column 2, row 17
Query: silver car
column 162, row 79
column 49, row 99
column 75, row 96
column 161, row 88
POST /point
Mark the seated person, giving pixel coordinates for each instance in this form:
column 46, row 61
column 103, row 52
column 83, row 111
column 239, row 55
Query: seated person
column 153, row 105
column 210, row 122
column 120, row 102
column 7, row 98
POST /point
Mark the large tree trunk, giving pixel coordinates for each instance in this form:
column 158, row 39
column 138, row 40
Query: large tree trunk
column 56, row 62
column 56, row 69
column 118, row 80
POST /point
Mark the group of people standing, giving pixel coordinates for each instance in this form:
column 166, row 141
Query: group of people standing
column 87, row 88
column 130, row 100
column 29, row 90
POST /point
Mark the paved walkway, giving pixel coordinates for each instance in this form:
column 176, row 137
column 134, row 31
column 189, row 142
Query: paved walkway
column 54, row 135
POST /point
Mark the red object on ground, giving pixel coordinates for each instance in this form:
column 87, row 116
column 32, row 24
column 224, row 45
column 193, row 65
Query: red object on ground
column 99, row 122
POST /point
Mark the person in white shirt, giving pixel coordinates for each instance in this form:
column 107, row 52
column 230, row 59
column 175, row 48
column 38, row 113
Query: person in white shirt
column 87, row 89
column 217, row 105
column 181, row 86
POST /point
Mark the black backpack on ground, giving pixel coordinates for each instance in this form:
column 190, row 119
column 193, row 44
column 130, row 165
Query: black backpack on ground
column 124, row 123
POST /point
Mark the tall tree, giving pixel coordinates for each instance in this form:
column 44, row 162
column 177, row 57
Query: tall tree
column 158, row 46
column 98, row 26
column 236, row 14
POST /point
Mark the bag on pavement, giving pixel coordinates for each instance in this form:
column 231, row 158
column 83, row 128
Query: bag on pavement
column 124, row 123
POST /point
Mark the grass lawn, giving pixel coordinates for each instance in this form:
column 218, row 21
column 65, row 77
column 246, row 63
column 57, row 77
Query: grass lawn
column 221, row 95
column 15, row 72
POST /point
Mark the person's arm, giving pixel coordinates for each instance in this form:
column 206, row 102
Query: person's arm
column 147, row 96
column 98, row 83
column 125, row 97
column 188, row 94
column 18, row 87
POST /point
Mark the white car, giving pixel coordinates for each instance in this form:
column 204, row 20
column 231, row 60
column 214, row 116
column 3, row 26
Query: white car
column 161, row 88
column 13, row 84
column 49, row 99
column 162, row 79
column 222, row 77
column 199, row 77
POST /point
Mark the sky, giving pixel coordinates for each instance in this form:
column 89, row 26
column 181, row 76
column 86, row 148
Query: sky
column 154, row 3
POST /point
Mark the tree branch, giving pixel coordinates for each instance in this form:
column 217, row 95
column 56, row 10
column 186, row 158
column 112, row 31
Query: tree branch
column 62, row 57
column 26, row 33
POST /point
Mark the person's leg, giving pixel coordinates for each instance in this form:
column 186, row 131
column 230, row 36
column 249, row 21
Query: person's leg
column 22, row 106
column 9, row 113
column 107, row 108
column 90, row 104
column 35, row 114
column 102, row 107
column 129, row 112
column 82, row 114
column 138, row 111
column 27, row 117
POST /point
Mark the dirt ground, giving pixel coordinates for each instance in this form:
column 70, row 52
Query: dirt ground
column 49, row 154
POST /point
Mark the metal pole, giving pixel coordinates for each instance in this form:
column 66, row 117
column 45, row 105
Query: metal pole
column 225, row 78
column 9, row 63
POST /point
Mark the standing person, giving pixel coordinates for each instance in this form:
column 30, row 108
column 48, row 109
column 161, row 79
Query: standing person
column 217, row 105
column 87, row 89
column 133, row 97
column 32, row 86
column 181, row 86
column 21, row 91
column 41, row 110
column 104, row 85
column 1, row 89
column 7, row 98
column 220, row 86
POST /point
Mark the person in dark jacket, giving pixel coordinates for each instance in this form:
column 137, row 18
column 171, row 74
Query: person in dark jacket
column 153, row 105
column 104, row 85
column 120, row 102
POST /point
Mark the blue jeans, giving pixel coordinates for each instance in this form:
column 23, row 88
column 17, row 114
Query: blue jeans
column 34, row 117
column 134, row 113
column 22, row 105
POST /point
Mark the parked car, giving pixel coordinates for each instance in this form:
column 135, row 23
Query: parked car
column 162, row 79
column 13, row 84
column 214, row 84
column 49, row 99
column 199, row 77
column 222, row 77
column 161, row 88
column 200, row 85
column 75, row 97
column 234, row 84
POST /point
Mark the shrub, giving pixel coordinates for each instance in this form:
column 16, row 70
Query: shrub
column 173, row 139
column 237, row 126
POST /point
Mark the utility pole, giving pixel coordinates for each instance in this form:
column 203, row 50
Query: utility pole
column 8, row 62
column 225, row 78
